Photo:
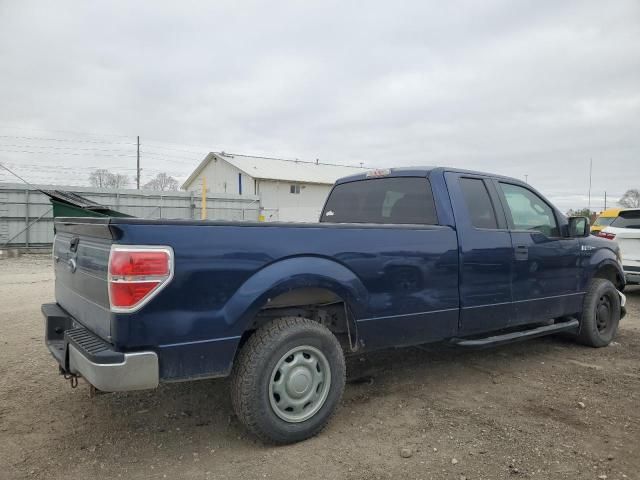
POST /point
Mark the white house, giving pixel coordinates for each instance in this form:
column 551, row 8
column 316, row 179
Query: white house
column 289, row 190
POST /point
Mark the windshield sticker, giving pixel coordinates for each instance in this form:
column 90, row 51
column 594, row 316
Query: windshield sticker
column 329, row 214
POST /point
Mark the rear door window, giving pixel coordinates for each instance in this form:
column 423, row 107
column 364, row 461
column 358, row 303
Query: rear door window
column 478, row 203
column 627, row 219
column 397, row 200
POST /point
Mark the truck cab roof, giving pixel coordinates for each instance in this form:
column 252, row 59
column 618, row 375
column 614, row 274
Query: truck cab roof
column 420, row 171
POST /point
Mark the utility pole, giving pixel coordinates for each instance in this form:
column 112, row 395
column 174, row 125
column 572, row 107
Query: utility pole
column 138, row 166
column 590, row 171
column 605, row 200
column 526, row 178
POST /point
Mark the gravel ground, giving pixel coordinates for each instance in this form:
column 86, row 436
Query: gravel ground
column 543, row 409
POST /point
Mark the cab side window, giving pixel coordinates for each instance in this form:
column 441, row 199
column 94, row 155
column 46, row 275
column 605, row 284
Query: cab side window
column 391, row 200
column 528, row 211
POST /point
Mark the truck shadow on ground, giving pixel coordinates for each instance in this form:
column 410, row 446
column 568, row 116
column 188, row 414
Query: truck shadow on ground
column 190, row 412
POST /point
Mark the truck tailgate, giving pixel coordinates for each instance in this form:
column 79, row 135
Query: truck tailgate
column 81, row 256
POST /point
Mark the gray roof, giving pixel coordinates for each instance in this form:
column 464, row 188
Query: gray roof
column 279, row 169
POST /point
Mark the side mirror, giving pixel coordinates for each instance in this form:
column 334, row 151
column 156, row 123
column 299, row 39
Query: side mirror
column 579, row 227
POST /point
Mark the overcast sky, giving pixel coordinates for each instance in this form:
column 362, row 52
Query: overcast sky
column 513, row 87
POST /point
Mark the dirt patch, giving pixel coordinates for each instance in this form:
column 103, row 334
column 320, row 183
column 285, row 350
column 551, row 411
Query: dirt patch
column 543, row 409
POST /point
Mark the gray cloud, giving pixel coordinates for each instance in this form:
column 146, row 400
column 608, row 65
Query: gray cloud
column 518, row 88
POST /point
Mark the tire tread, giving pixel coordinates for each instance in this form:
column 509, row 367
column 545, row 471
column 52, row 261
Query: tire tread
column 586, row 335
column 247, row 367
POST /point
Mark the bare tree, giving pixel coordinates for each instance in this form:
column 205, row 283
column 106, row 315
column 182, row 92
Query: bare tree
column 630, row 199
column 100, row 178
column 118, row 180
column 103, row 178
column 162, row 182
column 582, row 212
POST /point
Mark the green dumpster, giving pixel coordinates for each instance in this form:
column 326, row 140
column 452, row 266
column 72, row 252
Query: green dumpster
column 69, row 204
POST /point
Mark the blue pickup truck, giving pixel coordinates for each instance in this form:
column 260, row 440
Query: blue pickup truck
column 399, row 257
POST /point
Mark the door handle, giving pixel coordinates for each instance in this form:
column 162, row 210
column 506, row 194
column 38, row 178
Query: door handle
column 522, row 252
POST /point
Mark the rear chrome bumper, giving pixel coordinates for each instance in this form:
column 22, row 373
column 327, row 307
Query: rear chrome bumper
column 80, row 352
column 138, row 371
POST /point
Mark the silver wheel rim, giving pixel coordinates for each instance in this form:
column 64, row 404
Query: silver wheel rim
column 299, row 384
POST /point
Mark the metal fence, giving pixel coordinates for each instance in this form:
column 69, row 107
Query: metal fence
column 26, row 218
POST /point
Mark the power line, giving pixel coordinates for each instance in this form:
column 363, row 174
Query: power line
column 56, row 167
column 153, row 145
column 89, row 134
column 62, row 148
column 20, row 164
column 65, row 153
column 167, row 156
column 38, row 168
column 65, row 140
column 158, row 143
column 171, row 154
column 157, row 156
column 15, row 175
column 49, row 147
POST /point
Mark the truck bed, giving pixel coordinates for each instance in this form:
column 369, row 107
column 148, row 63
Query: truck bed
column 401, row 281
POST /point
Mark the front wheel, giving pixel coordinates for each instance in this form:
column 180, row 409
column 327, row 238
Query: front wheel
column 600, row 314
column 288, row 380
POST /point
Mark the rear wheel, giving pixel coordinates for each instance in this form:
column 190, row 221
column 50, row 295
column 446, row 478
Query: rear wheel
column 288, row 380
column 600, row 314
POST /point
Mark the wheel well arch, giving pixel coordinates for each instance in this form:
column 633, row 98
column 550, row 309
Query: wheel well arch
column 609, row 272
column 319, row 304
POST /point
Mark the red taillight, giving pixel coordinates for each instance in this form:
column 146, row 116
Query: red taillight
column 127, row 295
column 133, row 263
column 607, row 235
column 136, row 274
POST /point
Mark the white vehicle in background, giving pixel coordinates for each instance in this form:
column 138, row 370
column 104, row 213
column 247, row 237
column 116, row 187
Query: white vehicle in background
column 625, row 229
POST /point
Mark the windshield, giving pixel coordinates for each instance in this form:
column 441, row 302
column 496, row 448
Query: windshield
column 604, row 221
column 397, row 200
